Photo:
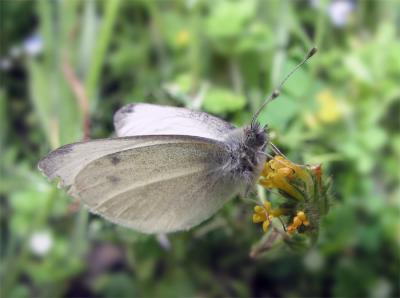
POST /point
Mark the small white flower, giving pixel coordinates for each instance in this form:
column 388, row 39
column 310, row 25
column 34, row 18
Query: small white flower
column 313, row 261
column 33, row 45
column 163, row 241
column 381, row 288
column 40, row 243
column 339, row 12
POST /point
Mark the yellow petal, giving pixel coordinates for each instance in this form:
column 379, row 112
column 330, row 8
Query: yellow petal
column 259, row 209
column 297, row 221
column 283, row 185
column 330, row 110
column 286, row 172
column 265, row 225
column 183, row 37
column 301, row 215
column 257, row 218
column 267, row 183
column 266, row 170
column 267, row 206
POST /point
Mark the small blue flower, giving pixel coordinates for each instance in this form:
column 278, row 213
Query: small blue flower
column 33, row 45
column 340, row 11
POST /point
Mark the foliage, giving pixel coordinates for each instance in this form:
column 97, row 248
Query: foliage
column 341, row 109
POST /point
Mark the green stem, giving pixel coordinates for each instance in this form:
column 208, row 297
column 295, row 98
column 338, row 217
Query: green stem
column 79, row 237
column 92, row 80
column 196, row 54
column 320, row 25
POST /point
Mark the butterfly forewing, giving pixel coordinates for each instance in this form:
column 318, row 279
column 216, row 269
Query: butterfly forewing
column 67, row 161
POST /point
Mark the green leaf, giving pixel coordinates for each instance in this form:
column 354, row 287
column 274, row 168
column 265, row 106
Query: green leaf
column 358, row 68
column 221, row 101
column 228, row 18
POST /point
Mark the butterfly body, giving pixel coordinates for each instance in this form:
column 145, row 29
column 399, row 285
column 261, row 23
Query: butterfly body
column 246, row 153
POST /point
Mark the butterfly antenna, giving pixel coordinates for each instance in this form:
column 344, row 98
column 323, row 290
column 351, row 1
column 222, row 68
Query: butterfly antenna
column 277, row 90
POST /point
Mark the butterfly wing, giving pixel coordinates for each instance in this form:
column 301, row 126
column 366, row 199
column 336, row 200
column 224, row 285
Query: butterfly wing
column 67, row 161
column 157, row 184
column 149, row 119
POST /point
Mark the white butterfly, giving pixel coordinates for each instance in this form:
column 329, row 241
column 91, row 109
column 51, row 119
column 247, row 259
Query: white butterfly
column 169, row 169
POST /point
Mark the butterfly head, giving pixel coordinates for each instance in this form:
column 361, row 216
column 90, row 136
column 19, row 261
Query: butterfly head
column 256, row 136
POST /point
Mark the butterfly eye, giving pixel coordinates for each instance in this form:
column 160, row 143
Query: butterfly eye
column 255, row 137
column 260, row 138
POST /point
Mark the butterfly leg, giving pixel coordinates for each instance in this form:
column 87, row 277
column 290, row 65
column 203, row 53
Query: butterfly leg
column 276, row 150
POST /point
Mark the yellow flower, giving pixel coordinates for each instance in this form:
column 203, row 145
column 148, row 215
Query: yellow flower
column 183, row 37
column 330, row 110
column 311, row 120
column 298, row 220
column 278, row 173
column 264, row 214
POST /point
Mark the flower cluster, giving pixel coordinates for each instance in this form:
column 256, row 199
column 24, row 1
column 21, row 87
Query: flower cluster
column 279, row 172
column 304, row 198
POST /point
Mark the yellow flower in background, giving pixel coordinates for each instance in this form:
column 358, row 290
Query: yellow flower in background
column 183, row 37
column 330, row 110
column 311, row 120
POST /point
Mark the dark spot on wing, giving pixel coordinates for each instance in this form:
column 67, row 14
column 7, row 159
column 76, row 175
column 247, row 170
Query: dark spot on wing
column 115, row 160
column 128, row 108
column 113, row 179
column 49, row 162
column 211, row 121
column 121, row 113
column 63, row 150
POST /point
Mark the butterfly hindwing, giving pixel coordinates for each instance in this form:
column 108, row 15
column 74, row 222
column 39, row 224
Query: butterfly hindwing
column 154, row 184
column 149, row 119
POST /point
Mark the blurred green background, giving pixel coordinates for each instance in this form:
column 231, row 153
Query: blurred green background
column 67, row 66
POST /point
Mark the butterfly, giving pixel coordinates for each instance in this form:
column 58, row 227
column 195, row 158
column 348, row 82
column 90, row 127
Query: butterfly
column 168, row 169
